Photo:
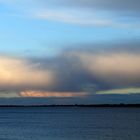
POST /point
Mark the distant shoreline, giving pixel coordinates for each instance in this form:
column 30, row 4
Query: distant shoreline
column 76, row 105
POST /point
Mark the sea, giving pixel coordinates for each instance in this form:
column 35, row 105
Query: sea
column 69, row 123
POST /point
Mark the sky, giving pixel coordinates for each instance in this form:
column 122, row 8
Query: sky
column 70, row 51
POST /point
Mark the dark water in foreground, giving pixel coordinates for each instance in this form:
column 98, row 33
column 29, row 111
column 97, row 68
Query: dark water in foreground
column 69, row 123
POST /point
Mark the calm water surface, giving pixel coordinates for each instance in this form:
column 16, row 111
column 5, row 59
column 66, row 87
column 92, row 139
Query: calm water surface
column 69, row 123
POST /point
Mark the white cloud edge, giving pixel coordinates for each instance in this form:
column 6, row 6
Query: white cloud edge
column 68, row 16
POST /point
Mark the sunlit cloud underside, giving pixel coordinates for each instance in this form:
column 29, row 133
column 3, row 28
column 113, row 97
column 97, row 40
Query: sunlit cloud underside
column 52, row 94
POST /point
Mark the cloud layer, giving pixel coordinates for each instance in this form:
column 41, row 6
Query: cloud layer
column 107, row 13
column 117, row 5
column 113, row 68
column 19, row 73
column 74, row 72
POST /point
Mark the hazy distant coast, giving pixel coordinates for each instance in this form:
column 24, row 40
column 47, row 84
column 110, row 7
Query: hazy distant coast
column 76, row 105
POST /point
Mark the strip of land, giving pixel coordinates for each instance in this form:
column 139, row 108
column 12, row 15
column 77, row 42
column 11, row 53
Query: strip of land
column 77, row 105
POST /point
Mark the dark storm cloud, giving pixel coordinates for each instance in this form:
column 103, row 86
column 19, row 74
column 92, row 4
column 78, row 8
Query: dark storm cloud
column 69, row 75
column 73, row 71
column 89, row 69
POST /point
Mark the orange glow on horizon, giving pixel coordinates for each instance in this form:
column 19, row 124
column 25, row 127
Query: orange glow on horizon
column 52, row 94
